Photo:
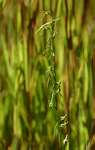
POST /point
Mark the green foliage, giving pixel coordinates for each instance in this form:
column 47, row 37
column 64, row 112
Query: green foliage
column 46, row 76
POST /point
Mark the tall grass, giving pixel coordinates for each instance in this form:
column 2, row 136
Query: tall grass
column 46, row 75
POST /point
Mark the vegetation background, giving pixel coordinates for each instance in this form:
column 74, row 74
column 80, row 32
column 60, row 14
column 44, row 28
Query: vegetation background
column 47, row 75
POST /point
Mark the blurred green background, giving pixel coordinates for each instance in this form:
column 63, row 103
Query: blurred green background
column 47, row 67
